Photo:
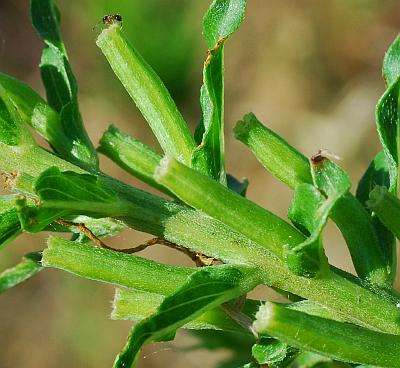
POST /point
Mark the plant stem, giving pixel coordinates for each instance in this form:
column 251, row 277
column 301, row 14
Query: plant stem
column 190, row 228
column 114, row 267
column 338, row 340
column 149, row 94
column 132, row 155
column 273, row 152
column 227, row 206
column 292, row 168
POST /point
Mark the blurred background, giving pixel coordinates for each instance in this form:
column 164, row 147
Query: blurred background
column 310, row 70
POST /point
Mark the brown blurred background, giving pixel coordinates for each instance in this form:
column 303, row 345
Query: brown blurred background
column 310, row 70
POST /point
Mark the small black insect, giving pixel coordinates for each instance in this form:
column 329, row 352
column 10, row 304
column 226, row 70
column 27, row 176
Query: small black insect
column 108, row 20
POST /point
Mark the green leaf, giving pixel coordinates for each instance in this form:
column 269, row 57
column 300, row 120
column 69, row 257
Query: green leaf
column 273, row 352
column 77, row 192
column 292, row 168
column 310, row 360
column 353, row 220
column 221, row 20
column 132, row 155
column 387, row 207
column 13, row 131
column 204, row 290
column 341, row 341
column 378, row 174
column 149, row 93
column 29, row 266
column 137, row 305
column 69, row 194
column 37, row 113
column 10, row 226
column 309, row 210
column 387, row 120
column 391, row 62
column 60, row 84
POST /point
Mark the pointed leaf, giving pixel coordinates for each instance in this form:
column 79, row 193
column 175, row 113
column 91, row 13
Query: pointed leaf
column 136, row 305
column 29, row 266
column 387, row 207
column 274, row 353
column 204, row 290
column 309, row 210
column 353, row 220
column 13, row 131
column 387, row 120
column 378, row 174
column 221, row 20
column 391, row 62
column 60, row 83
column 10, row 226
column 37, row 113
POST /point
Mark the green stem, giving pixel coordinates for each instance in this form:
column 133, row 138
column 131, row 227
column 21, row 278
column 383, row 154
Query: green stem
column 190, row 228
column 356, row 227
column 227, row 206
column 149, row 94
column 132, row 155
column 273, row 152
column 292, row 168
column 113, row 267
column 341, row 341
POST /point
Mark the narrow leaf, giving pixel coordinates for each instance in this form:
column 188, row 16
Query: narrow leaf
column 387, row 120
column 13, row 131
column 10, row 226
column 77, row 192
column 387, row 207
column 378, row 174
column 391, row 62
column 204, row 290
column 341, row 341
column 29, row 266
column 221, row 20
column 309, row 210
column 274, row 353
column 149, row 93
column 353, row 221
column 136, row 305
column 37, row 113
column 60, row 84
